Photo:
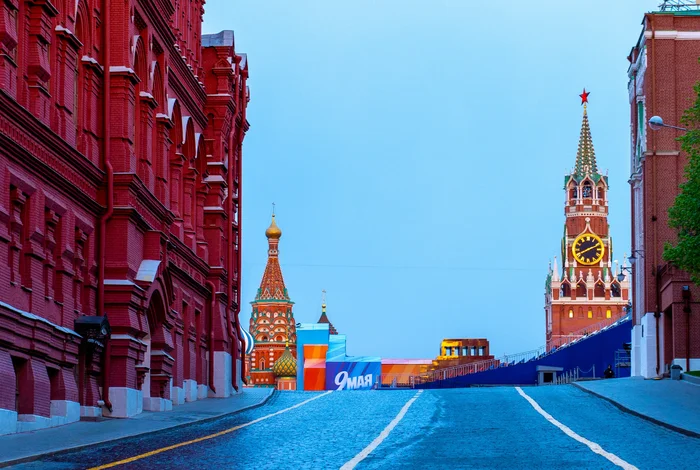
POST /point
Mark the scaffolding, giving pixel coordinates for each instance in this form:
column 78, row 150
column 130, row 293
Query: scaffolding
column 680, row 5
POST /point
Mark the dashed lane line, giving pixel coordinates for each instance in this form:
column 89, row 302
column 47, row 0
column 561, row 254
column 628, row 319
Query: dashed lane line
column 211, row 436
column 566, row 430
column 383, row 435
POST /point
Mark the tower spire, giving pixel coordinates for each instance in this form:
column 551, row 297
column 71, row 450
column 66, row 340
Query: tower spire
column 272, row 285
column 585, row 156
column 324, row 317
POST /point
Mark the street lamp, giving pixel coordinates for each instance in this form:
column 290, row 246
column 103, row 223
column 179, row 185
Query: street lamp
column 656, row 123
column 632, row 259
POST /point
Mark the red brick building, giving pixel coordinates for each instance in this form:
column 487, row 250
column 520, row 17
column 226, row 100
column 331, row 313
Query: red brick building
column 272, row 323
column 663, row 69
column 120, row 162
column 587, row 292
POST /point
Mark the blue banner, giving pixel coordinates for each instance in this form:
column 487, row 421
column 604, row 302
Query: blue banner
column 352, row 375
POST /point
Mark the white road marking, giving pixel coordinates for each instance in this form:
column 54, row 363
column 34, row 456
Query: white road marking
column 211, row 436
column 566, row 430
column 383, row 435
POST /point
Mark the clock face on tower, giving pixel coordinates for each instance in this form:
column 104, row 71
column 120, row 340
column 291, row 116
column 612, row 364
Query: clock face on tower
column 588, row 249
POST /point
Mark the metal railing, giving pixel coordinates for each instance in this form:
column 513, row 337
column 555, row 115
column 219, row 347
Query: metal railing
column 573, row 337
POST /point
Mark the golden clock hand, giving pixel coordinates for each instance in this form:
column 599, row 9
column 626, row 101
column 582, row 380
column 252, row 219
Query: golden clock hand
column 587, row 250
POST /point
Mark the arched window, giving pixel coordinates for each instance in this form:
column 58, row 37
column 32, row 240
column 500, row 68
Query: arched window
column 176, row 158
column 581, row 290
column 573, row 193
column 140, row 124
column 587, row 190
column 565, row 289
column 82, row 34
column 615, row 290
column 160, row 157
column 599, row 289
column 601, row 193
column 262, row 364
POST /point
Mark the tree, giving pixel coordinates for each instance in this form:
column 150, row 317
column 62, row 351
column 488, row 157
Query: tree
column 684, row 215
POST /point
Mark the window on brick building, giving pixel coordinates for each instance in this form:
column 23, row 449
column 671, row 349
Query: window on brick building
column 601, row 193
column 565, row 290
column 608, row 314
column 571, row 314
column 573, row 192
column 581, row 290
column 615, row 290
column 599, row 290
column 587, row 190
column 19, row 225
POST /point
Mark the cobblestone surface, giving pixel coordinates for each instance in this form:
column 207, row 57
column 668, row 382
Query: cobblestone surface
column 456, row 428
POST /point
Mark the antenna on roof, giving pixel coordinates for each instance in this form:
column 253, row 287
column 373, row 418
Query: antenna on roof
column 679, row 5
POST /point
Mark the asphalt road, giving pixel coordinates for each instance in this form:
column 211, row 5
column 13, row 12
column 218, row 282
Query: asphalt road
column 559, row 427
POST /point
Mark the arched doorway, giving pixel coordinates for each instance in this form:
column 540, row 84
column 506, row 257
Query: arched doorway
column 157, row 362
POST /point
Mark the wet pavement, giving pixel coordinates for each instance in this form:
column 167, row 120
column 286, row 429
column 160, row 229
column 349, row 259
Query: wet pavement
column 454, row 428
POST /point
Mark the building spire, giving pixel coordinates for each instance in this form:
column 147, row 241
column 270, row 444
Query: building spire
column 324, row 317
column 585, row 156
column 272, row 286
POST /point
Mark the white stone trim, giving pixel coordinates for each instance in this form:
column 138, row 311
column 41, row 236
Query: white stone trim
column 160, row 352
column 147, row 270
column 130, row 338
column 8, row 421
column 677, row 35
column 190, row 391
column 28, row 422
column 126, row 402
column 222, row 374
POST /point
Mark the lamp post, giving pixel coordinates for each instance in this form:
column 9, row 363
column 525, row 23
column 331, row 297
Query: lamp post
column 656, row 123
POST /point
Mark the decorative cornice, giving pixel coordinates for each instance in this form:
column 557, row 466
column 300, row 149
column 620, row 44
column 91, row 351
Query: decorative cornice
column 43, row 153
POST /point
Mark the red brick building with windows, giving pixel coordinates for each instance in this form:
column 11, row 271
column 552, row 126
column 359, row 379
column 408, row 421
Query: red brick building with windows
column 662, row 72
column 590, row 291
column 121, row 129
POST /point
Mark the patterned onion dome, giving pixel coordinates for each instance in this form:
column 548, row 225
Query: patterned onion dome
column 286, row 365
column 273, row 231
column 248, row 342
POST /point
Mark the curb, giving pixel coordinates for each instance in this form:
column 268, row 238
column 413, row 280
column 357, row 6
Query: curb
column 685, row 432
column 691, row 379
column 34, row 457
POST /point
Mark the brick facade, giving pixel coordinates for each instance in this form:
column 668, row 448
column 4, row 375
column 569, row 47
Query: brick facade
column 121, row 130
column 663, row 70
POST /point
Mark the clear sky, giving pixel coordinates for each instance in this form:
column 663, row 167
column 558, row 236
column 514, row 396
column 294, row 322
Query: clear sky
column 416, row 153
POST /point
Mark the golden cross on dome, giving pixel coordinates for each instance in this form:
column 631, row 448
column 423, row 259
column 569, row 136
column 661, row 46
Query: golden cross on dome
column 273, row 208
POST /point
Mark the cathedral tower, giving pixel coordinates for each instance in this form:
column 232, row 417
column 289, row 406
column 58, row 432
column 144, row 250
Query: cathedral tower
column 589, row 289
column 272, row 322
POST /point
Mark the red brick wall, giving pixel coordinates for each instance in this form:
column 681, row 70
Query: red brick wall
column 172, row 140
column 671, row 72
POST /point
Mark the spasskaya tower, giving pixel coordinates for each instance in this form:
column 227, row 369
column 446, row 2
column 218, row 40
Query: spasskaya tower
column 590, row 289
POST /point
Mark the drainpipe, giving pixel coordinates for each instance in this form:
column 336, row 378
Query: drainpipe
column 229, row 284
column 106, row 137
column 239, row 143
column 687, row 310
column 657, row 313
column 212, row 307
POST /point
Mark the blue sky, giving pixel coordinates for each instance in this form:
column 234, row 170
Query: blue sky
column 416, row 151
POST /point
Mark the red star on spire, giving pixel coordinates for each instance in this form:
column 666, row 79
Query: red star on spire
column 584, row 96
